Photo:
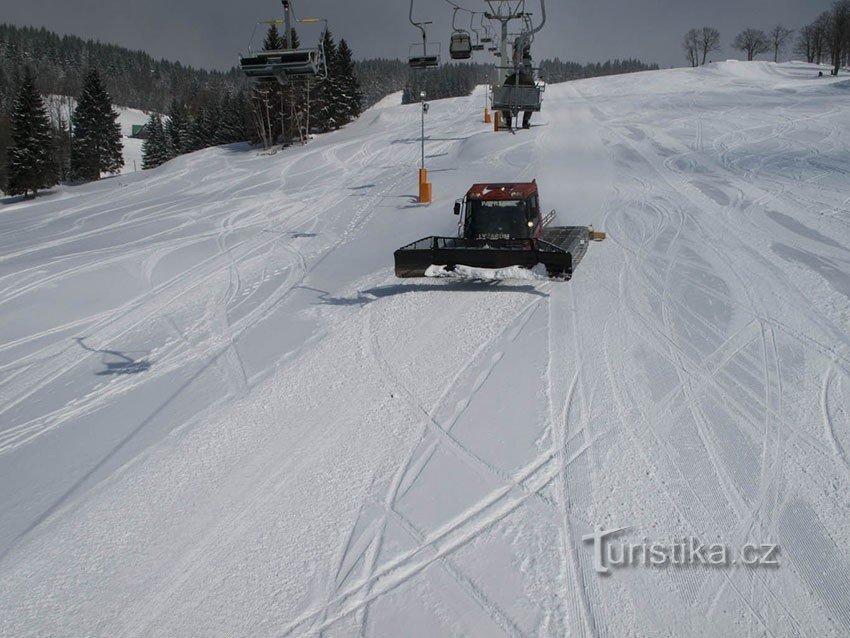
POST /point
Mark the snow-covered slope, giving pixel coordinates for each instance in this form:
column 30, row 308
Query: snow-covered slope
column 221, row 414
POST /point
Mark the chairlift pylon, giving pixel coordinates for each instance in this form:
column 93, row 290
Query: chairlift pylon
column 283, row 65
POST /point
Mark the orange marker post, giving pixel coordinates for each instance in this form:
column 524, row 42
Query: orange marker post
column 425, row 190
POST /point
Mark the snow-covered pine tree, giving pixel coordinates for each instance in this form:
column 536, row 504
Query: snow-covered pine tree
column 96, row 147
column 233, row 115
column 325, row 107
column 225, row 124
column 202, row 130
column 177, row 128
column 352, row 96
column 31, row 164
column 156, row 148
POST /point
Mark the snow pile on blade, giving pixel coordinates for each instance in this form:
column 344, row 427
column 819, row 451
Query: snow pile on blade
column 538, row 273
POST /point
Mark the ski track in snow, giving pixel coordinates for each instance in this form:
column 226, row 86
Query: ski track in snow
column 221, row 414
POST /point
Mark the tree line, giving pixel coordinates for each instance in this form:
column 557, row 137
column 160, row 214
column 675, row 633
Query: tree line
column 827, row 38
column 554, row 71
column 452, row 80
column 135, row 79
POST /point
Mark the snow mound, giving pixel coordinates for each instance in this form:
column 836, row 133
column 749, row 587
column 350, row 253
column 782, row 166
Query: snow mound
column 391, row 100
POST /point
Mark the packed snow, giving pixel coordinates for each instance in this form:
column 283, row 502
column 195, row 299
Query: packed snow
column 222, row 415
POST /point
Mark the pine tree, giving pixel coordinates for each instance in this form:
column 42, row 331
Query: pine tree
column 325, row 109
column 351, row 96
column 177, row 128
column 273, row 41
column 233, row 114
column 96, row 147
column 156, row 148
column 31, row 165
column 202, row 130
column 296, row 41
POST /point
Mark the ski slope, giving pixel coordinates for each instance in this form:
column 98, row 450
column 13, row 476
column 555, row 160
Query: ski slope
column 222, row 415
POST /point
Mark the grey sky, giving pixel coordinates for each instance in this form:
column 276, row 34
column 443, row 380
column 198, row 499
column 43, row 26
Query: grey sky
column 211, row 33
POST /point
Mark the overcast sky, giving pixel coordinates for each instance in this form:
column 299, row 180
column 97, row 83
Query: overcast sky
column 211, row 33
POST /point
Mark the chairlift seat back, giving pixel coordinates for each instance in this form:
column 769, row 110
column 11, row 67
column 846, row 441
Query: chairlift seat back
column 461, row 46
column 517, row 98
column 283, row 63
column 424, row 62
column 424, row 57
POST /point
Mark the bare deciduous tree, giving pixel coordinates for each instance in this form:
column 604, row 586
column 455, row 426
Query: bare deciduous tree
column 709, row 41
column 822, row 28
column 691, row 44
column 698, row 43
column 779, row 37
column 838, row 39
column 753, row 42
column 805, row 44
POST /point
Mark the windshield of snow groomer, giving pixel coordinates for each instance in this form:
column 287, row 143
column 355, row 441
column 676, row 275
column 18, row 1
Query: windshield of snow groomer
column 498, row 220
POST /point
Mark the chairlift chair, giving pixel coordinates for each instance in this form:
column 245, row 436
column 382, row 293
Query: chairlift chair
column 461, row 46
column 510, row 97
column 514, row 97
column 285, row 64
column 424, row 56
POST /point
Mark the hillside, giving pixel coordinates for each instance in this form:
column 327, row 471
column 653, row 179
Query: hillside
column 221, row 414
